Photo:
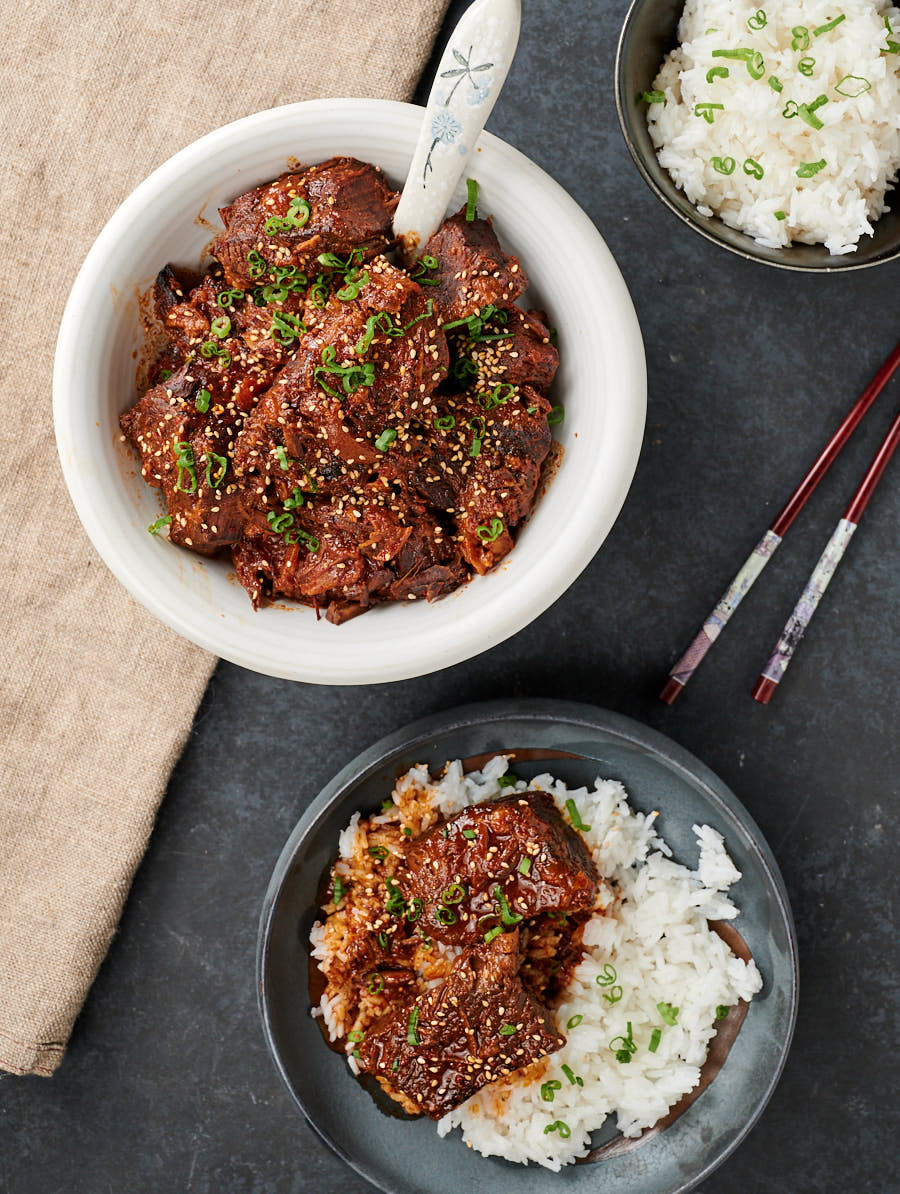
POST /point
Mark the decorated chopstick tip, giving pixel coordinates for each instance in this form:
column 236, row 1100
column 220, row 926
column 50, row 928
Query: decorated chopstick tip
column 764, row 689
column 670, row 690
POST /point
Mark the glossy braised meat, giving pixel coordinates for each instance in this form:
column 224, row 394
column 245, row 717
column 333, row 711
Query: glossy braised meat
column 479, row 460
column 473, row 272
column 480, row 1025
column 524, row 356
column 305, row 414
column 496, row 864
column 335, row 207
column 348, row 554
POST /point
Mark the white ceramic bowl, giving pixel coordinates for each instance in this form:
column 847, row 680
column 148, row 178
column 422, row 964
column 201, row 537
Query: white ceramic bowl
column 602, row 382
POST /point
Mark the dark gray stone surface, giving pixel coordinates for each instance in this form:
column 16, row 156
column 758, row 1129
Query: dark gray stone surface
column 166, row 1086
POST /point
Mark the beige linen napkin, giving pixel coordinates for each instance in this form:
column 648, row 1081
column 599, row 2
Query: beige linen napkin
column 97, row 697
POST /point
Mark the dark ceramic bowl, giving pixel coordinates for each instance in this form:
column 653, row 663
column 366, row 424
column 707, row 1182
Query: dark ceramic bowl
column 649, row 33
column 577, row 743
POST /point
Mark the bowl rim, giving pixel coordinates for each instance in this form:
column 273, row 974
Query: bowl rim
column 842, row 263
column 423, row 733
column 443, row 642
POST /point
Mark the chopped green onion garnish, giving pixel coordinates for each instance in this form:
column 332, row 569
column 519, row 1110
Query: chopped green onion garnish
column 707, row 111
column 827, row 28
column 751, row 58
column 559, row 1125
column 574, row 817
column 717, row 72
column 487, row 534
column 214, row 480
column 892, row 47
column 228, row 298
column 414, row 909
column 573, row 1023
column 775, row 84
column 286, row 328
column 376, row 982
column 652, row 97
column 412, row 1037
column 549, row 1089
column 202, row 401
column 279, row 524
column 383, row 940
column 806, row 66
column 557, row 414
column 454, row 894
column 353, row 285
column 856, row 86
column 211, row 349
column 574, row 1079
column 790, row 109
column 296, row 500
column 800, row 40
column 407, row 832
column 338, row 890
column 471, row 199
column 356, row 1036
column 758, row 20
column 614, row 995
column 184, row 459
column 445, row 423
column 492, row 933
column 165, row 374
column 655, row 1038
column 469, row 834
column 753, row 168
column 668, row 1013
column 220, row 326
column 379, row 852
column 256, row 265
column 807, row 112
column 508, row 917
column 445, row 916
column 721, row 1011
column 155, row 527
column 282, row 457
column 624, row 1051
column 395, row 903
column 386, row 438
column 507, row 781
column 524, row 866
column 294, row 536
column 809, row 169
column 508, row 1030
column 780, row 215
column 608, row 976
column 396, row 1064
column 723, row 165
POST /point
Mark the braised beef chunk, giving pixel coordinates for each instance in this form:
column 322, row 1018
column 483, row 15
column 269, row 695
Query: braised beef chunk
column 495, row 864
column 479, row 1025
column 336, row 207
column 525, row 357
column 347, row 555
column 473, row 270
column 184, row 451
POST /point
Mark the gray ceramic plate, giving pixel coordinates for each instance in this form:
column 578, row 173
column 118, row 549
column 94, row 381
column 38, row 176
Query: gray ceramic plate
column 407, row 1157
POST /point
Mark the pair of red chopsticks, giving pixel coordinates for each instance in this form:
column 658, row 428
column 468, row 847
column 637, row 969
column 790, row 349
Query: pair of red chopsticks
column 824, row 570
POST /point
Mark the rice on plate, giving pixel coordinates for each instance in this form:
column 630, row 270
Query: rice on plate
column 784, row 121
column 640, row 1007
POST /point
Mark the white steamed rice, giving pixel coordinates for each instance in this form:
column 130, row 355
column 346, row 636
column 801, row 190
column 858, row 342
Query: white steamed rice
column 651, row 926
column 860, row 140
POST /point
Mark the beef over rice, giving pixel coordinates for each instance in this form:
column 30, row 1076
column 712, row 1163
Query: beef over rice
column 522, row 961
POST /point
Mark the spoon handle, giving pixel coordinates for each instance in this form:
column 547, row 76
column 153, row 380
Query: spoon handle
column 468, row 81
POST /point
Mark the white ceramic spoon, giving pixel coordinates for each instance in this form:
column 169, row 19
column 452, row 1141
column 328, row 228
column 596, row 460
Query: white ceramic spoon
column 468, row 81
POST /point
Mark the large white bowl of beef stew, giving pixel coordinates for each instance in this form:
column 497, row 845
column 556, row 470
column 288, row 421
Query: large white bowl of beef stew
column 446, row 603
